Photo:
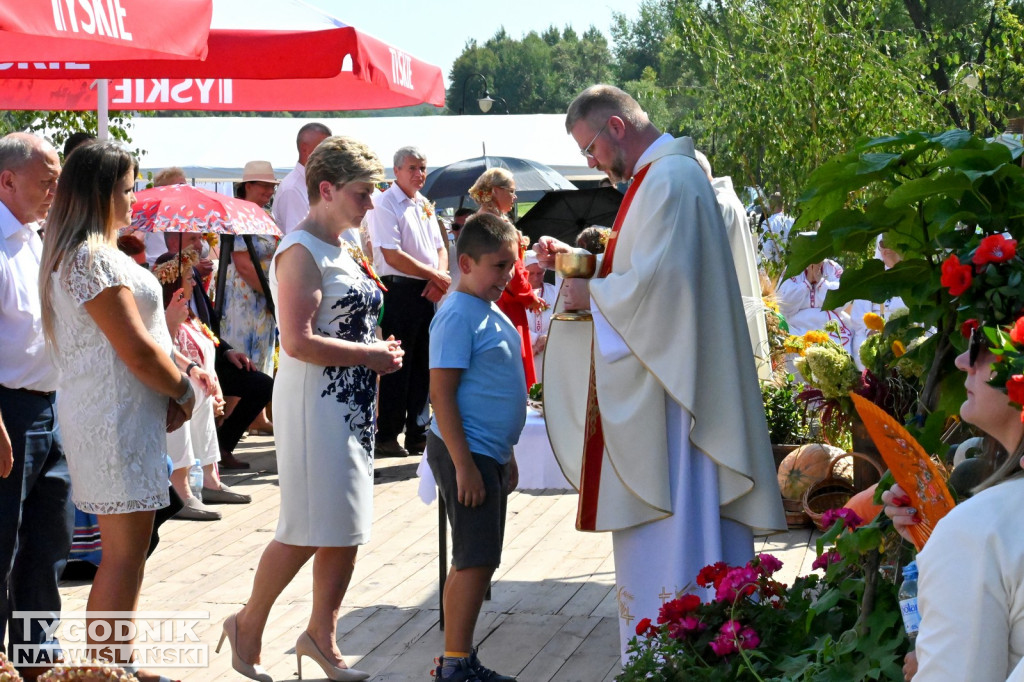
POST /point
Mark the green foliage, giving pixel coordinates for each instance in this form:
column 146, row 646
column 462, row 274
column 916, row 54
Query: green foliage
column 931, row 195
column 786, row 416
column 537, row 74
column 59, row 125
column 770, row 89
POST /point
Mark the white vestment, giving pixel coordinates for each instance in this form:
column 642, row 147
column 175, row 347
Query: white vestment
column 687, row 473
column 741, row 242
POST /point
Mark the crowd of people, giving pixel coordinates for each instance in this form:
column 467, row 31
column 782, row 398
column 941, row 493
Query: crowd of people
column 390, row 340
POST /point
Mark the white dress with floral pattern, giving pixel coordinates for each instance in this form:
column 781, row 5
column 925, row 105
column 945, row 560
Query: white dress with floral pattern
column 113, row 426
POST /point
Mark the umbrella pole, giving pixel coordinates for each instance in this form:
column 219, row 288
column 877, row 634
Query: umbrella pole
column 227, row 245
column 181, row 275
column 103, row 111
column 260, row 275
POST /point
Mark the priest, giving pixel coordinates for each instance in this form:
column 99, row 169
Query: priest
column 653, row 408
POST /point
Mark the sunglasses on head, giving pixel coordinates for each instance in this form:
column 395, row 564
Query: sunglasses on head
column 977, row 343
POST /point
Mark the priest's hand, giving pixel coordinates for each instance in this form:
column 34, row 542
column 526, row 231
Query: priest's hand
column 546, row 248
column 471, row 486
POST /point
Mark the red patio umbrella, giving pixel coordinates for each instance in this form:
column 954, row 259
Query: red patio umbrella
column 250, row 42
column 77, row 31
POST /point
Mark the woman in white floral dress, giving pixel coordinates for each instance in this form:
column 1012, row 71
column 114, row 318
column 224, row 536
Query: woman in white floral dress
column 119, row 389
column 328, row 303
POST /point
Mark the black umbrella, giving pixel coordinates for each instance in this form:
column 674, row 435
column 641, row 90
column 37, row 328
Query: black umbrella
column 449, row 185
column 563, row 214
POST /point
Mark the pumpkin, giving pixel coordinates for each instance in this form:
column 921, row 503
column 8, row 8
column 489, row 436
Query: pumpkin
column 804, row 467
column 863, row 503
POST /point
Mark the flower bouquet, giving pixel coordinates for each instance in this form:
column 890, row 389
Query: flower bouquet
column 843, row 625
column 830, row 374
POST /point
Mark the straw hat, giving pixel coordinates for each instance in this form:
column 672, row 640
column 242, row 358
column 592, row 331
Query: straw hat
column 259, row 171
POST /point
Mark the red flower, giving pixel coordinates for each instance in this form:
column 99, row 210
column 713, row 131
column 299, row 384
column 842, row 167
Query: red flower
column 968, row 327
column 644, row 628
column 675, row 610
column 955, row 277
column 712, row 575
column 994, row 249
column 1015, row 389
column 1017, row 331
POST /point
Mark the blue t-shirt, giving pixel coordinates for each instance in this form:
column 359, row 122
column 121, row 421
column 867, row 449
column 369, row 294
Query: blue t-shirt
column 471, row 334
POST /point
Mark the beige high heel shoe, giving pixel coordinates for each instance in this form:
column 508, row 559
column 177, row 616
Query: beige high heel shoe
column 250, row 670
column 305, row 646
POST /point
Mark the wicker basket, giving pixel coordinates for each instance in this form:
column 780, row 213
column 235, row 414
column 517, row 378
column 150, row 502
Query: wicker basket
column 832, row 491
column 796, row 517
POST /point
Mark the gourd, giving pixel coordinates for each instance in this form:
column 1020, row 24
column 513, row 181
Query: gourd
column 804, row 467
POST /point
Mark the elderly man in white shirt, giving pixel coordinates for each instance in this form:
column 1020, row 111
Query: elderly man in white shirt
column 292, row 201
column 412, row 260
column 36, row 514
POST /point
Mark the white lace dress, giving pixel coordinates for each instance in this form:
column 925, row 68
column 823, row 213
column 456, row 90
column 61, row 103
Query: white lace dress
column 113, row 427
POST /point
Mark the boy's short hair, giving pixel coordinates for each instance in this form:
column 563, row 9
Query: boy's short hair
column 484, row 233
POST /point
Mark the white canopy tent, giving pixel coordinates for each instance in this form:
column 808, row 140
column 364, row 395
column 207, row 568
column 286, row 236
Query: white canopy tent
column 214, row 149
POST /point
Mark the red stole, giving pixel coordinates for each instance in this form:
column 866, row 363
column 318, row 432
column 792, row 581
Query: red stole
column 593, row 435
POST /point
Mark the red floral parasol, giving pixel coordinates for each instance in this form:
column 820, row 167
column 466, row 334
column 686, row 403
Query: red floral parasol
column 184, row 208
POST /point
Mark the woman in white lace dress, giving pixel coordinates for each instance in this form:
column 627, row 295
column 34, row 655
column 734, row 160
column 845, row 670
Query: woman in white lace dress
column 120, row 391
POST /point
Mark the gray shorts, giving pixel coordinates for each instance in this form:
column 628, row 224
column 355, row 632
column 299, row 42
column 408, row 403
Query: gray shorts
column 477, row 532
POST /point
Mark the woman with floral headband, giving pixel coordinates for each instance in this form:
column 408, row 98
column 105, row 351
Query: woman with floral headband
column 971, row 570
column 495, row 192
column 197, row 440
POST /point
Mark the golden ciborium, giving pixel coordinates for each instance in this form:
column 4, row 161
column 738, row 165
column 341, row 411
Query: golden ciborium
column 575, row 264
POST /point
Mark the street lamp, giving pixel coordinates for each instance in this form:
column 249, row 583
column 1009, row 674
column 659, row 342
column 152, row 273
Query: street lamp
column 486, row 102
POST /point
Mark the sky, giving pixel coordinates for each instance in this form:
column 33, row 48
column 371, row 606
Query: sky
column 436, row 31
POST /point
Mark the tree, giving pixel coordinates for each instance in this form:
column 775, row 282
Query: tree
column 539, row 73
column 773, row 88
column 58, row 125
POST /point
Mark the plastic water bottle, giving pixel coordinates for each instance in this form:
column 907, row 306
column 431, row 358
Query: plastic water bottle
column 195, row 479
column 908, row 601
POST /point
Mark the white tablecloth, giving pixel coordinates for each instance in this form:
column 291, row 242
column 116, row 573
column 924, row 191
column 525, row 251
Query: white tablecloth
column 538, row 469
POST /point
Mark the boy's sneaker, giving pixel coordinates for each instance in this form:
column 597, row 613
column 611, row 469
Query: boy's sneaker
column 454, row 670
column 486, row 674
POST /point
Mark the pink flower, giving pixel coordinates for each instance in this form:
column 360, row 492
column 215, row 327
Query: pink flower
column 994, row 249
column 955, row 277
column 674, row 611
column 738, row 582
column 687, row 625
column 767, row 564
column 825, row 560
column 732, row 637
column 849, row 518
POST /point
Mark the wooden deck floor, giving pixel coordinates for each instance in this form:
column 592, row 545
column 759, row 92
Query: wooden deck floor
column 552, row 614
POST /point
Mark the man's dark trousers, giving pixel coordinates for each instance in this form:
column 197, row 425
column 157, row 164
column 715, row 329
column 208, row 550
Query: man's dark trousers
column 404, row 395
column 36, row 515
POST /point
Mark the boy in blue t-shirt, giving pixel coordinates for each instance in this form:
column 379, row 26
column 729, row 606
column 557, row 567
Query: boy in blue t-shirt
column 476, row 389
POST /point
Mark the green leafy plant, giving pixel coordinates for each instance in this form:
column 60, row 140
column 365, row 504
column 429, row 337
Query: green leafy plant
column 844, row 625
column 932, row 195
column 787, row 420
